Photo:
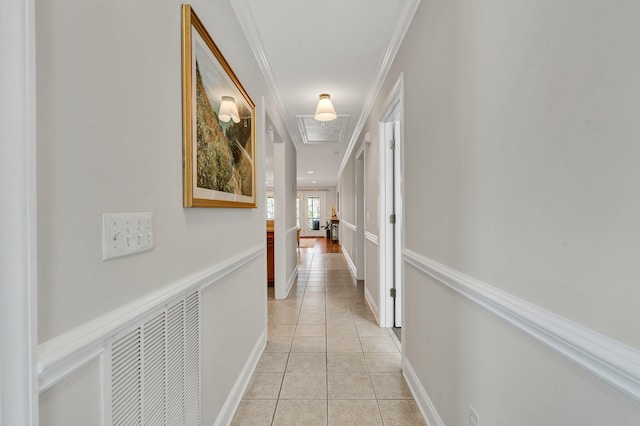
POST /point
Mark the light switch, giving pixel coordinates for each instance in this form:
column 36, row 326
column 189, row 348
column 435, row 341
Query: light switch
column 126, row 233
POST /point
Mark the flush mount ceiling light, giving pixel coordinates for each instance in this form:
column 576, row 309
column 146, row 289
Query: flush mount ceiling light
column 229, row 110
column 325, row 110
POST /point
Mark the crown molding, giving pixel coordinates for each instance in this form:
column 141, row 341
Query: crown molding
column 244, row 13
column 404, row 21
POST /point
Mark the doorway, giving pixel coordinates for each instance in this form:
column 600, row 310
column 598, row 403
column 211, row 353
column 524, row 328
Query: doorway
column 391, row 208
column 311, row 211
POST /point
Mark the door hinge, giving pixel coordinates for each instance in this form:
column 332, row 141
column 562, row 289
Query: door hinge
column 392, row 292
column 392, row 218
column 392, row 144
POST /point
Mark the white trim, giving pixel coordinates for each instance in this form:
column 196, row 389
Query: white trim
column 395, row 339
column 291, row 231
column 235, row 396
column 18, row 210
column 66, row 353
column 372, row 305
column 428, row 410
column 349, row 226
column 393, row 196
column 404, row 21
column 352, row 265
column 390, row 202
column 359, row 151
column 247, row 20
column 606, row 358
column 359, row 182
column 292, row 280
column 371, row 237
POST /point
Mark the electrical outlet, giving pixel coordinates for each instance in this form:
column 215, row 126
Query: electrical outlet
column 474, row 420
column 126, row 233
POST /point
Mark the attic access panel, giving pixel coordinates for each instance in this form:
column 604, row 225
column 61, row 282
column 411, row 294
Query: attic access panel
column 314, row 131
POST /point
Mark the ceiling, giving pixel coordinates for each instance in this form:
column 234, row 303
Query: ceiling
column 305, row 48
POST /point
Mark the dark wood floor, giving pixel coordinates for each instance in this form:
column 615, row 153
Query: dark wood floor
column 323, row 245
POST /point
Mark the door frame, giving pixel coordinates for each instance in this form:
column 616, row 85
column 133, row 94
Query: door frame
column 391, row 192
column 360, row 223
column 19, row 390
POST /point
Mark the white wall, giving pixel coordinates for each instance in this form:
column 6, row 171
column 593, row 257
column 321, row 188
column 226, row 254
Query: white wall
column 291, row 249
column 286, row 246
column 371, row 206
column 348, row 210
column 110, row 140
column 520, row 171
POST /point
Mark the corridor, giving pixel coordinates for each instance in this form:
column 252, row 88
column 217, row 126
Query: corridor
column 326, row 361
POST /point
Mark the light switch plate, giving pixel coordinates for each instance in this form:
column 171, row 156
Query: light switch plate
column 126, row 233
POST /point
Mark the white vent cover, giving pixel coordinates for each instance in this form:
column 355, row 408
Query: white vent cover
column 155, row 369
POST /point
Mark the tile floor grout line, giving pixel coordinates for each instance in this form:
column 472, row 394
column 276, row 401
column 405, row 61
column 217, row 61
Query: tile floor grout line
column 341, row 299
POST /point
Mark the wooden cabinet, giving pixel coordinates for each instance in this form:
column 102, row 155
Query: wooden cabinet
column 270, row 269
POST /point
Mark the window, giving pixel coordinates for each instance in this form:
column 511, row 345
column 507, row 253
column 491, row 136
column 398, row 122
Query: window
column 313, row 213
column 271, row 208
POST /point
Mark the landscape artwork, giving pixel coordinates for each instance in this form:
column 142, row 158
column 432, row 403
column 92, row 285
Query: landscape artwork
column 219, row 125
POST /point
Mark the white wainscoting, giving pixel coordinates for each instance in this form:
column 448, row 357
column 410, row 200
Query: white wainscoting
column 608, row 359
column 420, row 395
column 66, row 353
column 240, row 386
column 351, row 227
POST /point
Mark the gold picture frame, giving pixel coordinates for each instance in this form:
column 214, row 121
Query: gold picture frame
column 219, row 143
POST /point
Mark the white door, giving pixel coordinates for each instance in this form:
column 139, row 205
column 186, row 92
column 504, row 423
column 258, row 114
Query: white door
column 391, row 209
column 312, row 214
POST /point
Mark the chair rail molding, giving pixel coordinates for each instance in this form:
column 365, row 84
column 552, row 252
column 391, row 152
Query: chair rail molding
column 68, row 352
column 371, row 237
column 349, row 225
column 606, row 358
column 291, row 231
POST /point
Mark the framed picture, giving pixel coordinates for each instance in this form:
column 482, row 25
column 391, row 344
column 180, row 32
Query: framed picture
column 219, row 148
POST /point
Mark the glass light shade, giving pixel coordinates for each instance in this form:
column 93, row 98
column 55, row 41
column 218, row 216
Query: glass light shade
column 228, row 110
column 325, row 110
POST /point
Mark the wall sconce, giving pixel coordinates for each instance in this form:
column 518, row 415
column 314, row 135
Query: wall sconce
column 228, row 110
column 325, row 110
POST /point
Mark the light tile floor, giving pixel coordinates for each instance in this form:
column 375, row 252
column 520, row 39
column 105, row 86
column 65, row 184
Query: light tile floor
column 326, row 360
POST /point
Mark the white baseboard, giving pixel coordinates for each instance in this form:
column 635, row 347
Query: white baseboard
column 235, row 396
column 428, row 410
column 375, row 310
column 292, row 280
column 352, row 266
